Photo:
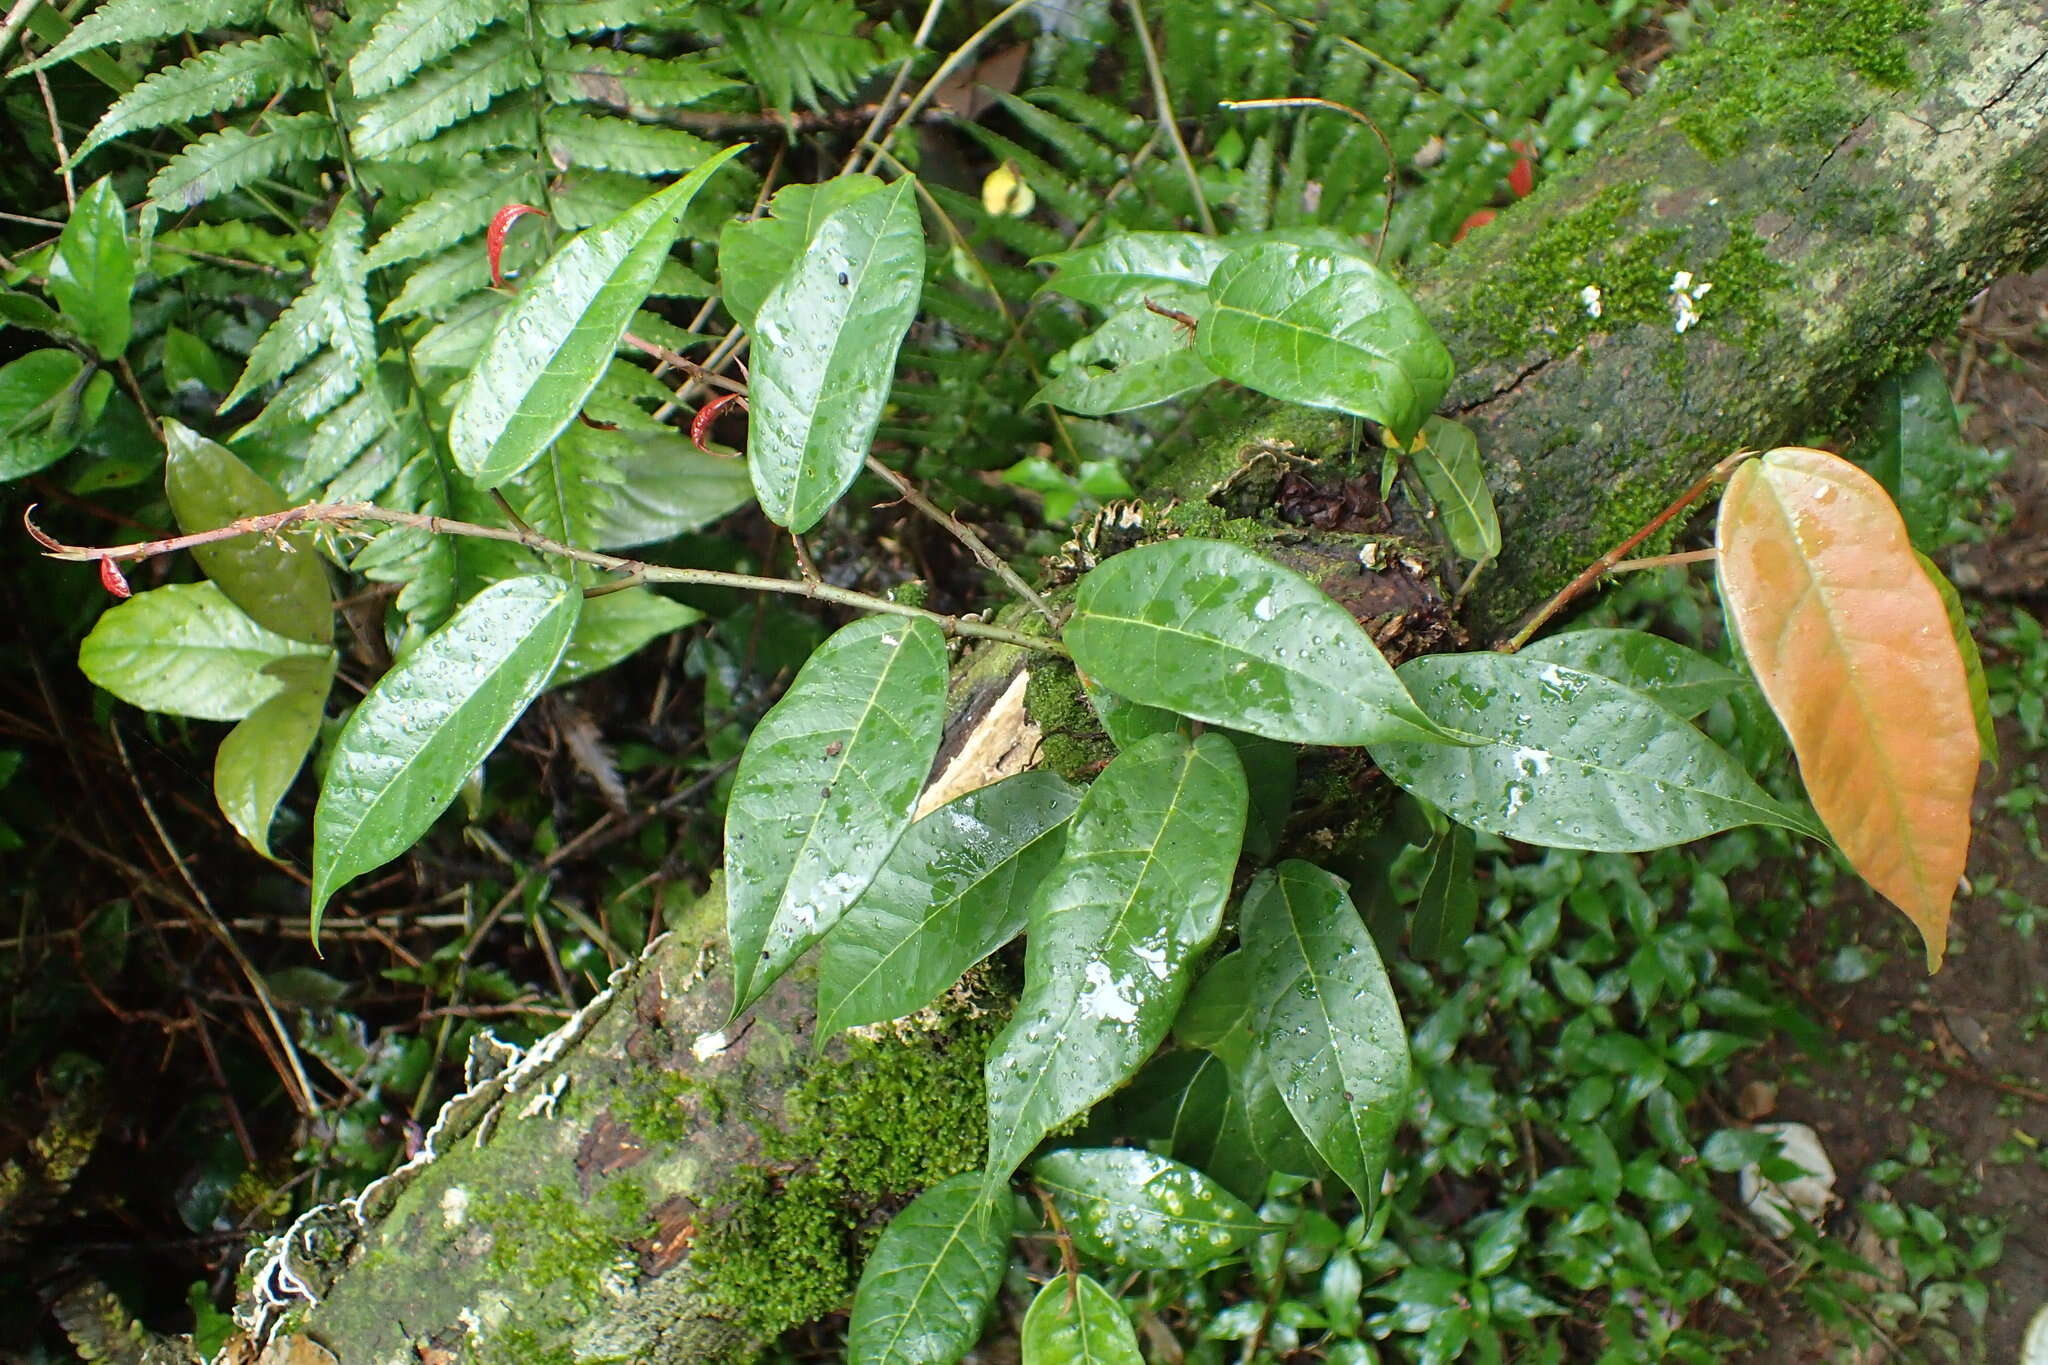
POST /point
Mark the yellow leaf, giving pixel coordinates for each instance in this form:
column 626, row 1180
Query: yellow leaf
column 1007, row 192
column 1852, row 647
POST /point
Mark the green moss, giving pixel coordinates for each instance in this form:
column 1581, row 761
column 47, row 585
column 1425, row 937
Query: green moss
column 894, row 1119
column 1071, row 737
column 665, row 1107
column 1212, row 522
column 569, row 1247
column 1785, row 70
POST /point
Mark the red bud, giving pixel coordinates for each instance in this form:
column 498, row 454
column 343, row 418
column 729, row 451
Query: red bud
column 494, row 237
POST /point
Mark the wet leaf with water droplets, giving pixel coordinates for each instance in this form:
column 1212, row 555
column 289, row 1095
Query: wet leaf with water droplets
column 280, row 581
column 1077, row 1324
column 954, row 891
column 1125, row 1206
column 186, row 650
column 424, row 727
column 1135, row 898
column 931, row 1277
column 1137, row 358
column 1852, row 647
column 1446, row 458
column 825, row 344
column 1186, row 1100
column 1328, row 1025
column 1682, row 679
column 825, row 788
column 1448, row 908
column 1216, row 632
column 1570, row 759
column 552, row 346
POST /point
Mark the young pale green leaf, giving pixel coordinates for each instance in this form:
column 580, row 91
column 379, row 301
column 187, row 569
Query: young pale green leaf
column 1446, row 458
column 1683, row 679
column 553, row 344
column 1216, row 632
column 92, row 271
column 49, row 399
column 931, row 1278
column 1973, row 658
column 1135, row 898
column 1130, row 1208
column 616, row 625
column 1570, row 759
column 1329, row 1027
column 186, row 650
column 280, row 582
column 1077, row 1323
column 425, row 726
column 954, row 891
column 1448, row 909
column 255, row 764
column 1327, row 329
column 756, row 255
column 1124, row 271
column 1134, row 360
column 826, row 788
column 825, row 345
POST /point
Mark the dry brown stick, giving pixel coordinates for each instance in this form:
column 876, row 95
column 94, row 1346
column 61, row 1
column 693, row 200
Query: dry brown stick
column 966, row 535
column 342, row 514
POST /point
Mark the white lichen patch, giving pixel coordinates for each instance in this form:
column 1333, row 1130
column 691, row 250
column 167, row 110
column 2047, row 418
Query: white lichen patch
column 455, row 1206
column 1685, row 300
column 1589, row 299
column 709, row 1045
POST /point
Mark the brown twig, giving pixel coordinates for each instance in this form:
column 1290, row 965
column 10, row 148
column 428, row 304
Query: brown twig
column 987, row 558
column 1318, row 102
column 57, row 137
column 1601, row 566
column 344, row 514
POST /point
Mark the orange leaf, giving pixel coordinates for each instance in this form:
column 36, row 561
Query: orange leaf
column 1852, row 647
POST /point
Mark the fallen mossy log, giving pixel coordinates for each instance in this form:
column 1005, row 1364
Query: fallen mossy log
column 1790, row 215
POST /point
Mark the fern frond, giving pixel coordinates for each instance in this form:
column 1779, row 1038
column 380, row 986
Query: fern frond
column 450, row 214
column 445, row 93
column 437, row 285
column 1079, row 146
column 566, row 494
column 232, row 158
column 678, row 281
column 225, row 78
column 333, row 312
column 502, row 125
column 373, row 470
column 314, row 388
column 631, row 82
column 1067, row 199
column 794, row 48
column 590, row 197
column 341, row 436
column 559, row 18
column 455, row 342
column 145, row 21
column 234, row 240
column 413, row 33
column 619, row 144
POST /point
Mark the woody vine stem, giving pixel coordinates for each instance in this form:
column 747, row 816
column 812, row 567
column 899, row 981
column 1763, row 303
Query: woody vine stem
column 344, row 514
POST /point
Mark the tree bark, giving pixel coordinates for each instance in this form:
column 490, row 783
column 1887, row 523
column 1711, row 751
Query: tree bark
column 645, row 1187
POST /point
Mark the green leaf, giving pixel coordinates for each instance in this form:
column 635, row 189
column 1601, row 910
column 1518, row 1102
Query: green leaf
column 754, row 256
column 1448, row 909
column 666, row 489
column 1135, row 898
column 1124, row 271
column 92, row 272
column 280, row 582
column 456, row 210
column 1973, row 659
column 1570, row 759
column 792, row 48
column 552, row 346
column 1683, row 679
column 1125, row 721
column 1915, row 447
column 222, row 78
column 232, row 158
column 332, row 311
column 256, row 763
column 955, row 890
column 1187, row 1100
column 49, row 399
column 631, row 81
column 1217, row 632
column 825, row 789
column 1446, row 458
column 141, row 21
column 413, row 33
column 415, row 739
column 620, row 144
column 186, row 650
column 1328, row 1027
column 825, row 345
column 26, row 310
column 1326, row 329
column 617, row 625
column 1269, row 773
column 1090, row 1330
column 931, row 1278
column 1134, row 360
column 446, row 92
column 1128, row 1207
